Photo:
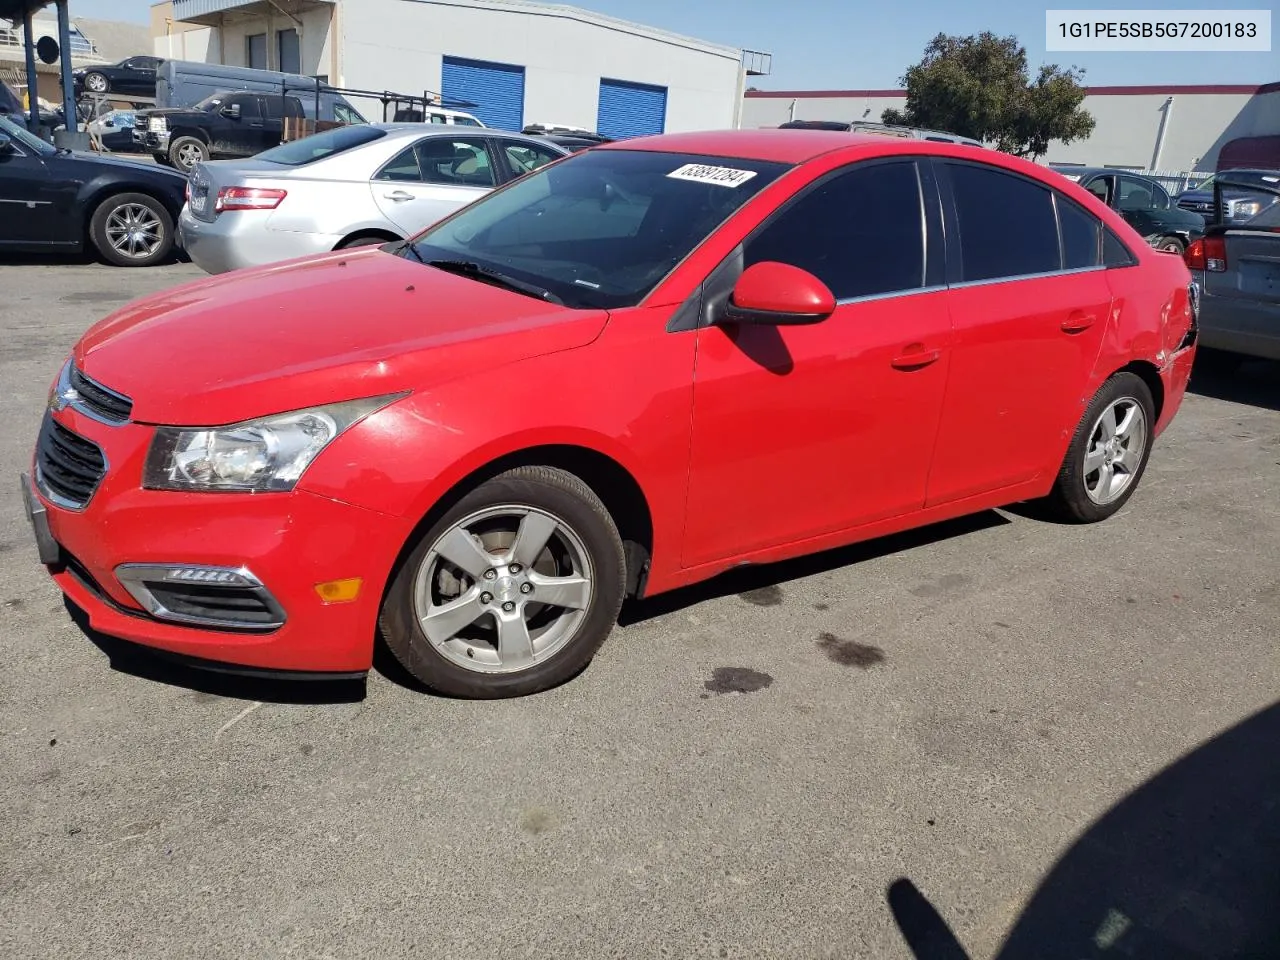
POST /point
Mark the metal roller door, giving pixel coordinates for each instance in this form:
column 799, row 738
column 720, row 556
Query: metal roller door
column 631, row 109
column 497, row 89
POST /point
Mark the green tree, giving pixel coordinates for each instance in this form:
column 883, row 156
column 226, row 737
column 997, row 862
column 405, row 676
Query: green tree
column 979, row 87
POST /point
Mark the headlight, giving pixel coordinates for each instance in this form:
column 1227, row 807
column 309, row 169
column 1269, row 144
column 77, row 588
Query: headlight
column 1247, row 208
column 258, row 455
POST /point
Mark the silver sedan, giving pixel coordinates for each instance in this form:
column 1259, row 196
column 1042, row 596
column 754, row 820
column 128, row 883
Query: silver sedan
column 346, row 187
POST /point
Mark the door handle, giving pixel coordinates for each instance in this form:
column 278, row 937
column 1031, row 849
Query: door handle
column 915, row 358
column 399, row 196
column 1078, row 322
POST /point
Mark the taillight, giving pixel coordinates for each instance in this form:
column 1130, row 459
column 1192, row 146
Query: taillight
column 248, row 198
column 1208, row 253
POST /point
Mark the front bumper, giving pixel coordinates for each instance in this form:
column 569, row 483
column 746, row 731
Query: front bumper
column 290, row 541
column 242, row 238
column 151, row 140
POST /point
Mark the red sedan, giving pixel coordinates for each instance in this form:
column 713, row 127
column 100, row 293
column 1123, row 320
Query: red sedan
column 628, row 371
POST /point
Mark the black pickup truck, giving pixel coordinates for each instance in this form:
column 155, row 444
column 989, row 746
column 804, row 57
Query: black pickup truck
column 227, row 126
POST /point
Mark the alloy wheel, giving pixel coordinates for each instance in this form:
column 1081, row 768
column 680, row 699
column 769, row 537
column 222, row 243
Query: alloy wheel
column 503, row 589
column 1115, row 450
column 134, row 231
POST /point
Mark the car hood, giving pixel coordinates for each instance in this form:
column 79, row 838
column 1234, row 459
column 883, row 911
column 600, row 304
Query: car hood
column 143, row 169
column 340, row 326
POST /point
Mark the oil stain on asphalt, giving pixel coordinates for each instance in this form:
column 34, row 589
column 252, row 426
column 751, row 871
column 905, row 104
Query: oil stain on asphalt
column 737, row 680
column 769, row 596
column 849, row 653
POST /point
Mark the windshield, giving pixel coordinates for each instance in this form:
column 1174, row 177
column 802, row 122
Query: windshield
column 1233, row 177
column 296, row 153
column 210, row 104
column 601, row 228
column 28, row 140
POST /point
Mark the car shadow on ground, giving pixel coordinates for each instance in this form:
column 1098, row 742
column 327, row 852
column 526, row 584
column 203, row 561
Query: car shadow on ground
column 762, row 584
column 138, row 661
column 1186, row 866
column 1253, row 382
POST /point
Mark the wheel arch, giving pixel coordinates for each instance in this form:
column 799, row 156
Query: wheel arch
column 614, row 484
column 368, row 232
column 1149, row 374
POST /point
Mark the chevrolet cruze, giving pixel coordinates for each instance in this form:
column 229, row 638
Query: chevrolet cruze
column 630, row 370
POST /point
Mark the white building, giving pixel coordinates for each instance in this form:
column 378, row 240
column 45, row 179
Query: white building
column 518, row 62
column 1183, row 127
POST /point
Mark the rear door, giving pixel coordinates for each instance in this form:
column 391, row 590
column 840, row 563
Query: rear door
column 274, row 110
column 431, row 178
column 1030, row 303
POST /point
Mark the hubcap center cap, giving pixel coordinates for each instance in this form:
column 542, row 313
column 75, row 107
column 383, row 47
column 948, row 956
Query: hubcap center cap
column 507, row 590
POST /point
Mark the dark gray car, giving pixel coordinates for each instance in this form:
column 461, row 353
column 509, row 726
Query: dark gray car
column 1239, row 203
column 1143, row 203
column 1238, row 269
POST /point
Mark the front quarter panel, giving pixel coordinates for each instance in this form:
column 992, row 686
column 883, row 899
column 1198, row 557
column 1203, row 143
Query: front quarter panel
column 628, row 396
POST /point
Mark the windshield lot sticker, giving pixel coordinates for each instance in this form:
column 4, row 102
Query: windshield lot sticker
column 720, row 176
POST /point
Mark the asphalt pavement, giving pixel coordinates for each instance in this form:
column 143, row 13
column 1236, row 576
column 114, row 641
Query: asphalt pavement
column 994, row 724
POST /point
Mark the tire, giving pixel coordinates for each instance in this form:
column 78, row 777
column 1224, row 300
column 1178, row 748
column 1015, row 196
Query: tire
column 132, row 230
column 186, row 152
column 96, row 83
column 472, row 656
column 1170, row 244
column 161, row 159
column 1074, row 497
column 353, row 242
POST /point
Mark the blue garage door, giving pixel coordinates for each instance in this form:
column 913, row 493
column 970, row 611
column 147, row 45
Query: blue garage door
column 631, row 109
column 497, row 89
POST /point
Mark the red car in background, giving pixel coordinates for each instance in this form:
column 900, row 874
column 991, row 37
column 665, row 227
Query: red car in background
column 631, row 370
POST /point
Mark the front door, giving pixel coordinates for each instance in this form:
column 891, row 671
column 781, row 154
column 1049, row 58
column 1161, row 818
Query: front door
column 29, row 212
column 432, row 178
column 1030, row 313
column 801, row 431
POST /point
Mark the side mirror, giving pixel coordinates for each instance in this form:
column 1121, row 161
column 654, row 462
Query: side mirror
column 231, row 111
column 6, row 143
column 778, row 294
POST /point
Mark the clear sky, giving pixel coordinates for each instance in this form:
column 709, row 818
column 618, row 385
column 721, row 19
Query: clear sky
column 828, row 44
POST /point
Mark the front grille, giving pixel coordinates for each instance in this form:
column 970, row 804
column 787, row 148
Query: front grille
column 105, row 403
column 68, row 467
column 229, row 606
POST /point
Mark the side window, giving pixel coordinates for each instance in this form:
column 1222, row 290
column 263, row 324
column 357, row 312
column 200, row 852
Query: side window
column 1100, row 187
column 439, row 118
column 465, row 122
column 403, row 167
column 249, row 106
column 463, row 163
column 525, row 157
column 1114, row 252
column 861, row 232
column 345, row 114
column 1081, row 235
column 1135, row 195
column 1007, row 224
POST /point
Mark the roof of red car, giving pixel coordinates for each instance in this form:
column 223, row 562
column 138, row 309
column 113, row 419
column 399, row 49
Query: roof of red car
column 779, row 146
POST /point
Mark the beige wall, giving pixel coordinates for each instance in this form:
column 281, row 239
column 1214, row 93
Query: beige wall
column 1126, row 134
column 226, row 43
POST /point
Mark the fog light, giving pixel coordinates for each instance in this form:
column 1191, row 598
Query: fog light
column 339, row 591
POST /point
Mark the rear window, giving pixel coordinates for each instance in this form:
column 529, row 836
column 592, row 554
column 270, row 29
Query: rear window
column 296, row 153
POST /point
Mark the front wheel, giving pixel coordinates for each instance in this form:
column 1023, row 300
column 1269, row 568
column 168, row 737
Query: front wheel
column 96, row 83
column 186, row 152
column 512, row 591
column 132, row 230
column 1108, row 452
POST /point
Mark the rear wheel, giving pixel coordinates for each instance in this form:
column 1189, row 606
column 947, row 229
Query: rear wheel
column 132, row 230
column 511, row 591
column 186, row 152
column 1171, row 245
column 1108, row 452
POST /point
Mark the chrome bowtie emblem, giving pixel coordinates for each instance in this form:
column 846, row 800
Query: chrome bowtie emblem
column 62, row 399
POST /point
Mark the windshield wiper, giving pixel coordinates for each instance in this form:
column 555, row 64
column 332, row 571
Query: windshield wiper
column 409, row 245
column 467, row 268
